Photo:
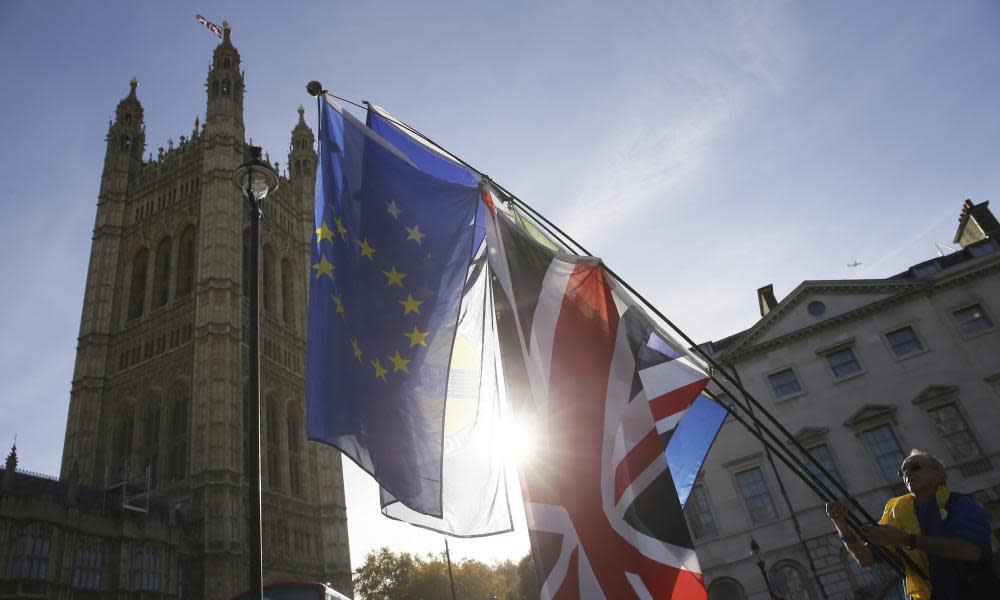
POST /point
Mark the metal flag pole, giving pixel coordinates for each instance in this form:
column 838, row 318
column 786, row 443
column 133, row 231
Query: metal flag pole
column 451, row 579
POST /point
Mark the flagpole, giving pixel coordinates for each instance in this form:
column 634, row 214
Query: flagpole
column 451, row 579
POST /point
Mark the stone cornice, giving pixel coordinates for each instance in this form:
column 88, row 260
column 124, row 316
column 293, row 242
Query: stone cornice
column 908, row 288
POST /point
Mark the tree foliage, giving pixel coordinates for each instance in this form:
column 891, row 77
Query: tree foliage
column 386, row 575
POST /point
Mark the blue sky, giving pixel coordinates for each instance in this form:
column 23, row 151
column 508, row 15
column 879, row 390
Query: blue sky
column 704, row 149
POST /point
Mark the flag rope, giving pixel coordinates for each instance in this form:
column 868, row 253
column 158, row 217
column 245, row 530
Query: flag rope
column 811, row 479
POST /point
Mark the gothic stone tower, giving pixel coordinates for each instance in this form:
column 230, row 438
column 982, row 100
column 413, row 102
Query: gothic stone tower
column 160, row 377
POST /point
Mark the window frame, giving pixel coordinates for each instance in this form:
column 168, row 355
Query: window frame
column 843, row 345
column 690, row 516
column 891, row 476
column 774, row 393
column 916, row 335
column 754, row 522
column 959, row 325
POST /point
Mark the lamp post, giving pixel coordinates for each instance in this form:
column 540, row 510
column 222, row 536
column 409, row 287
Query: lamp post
column 255, row 179
column 759, row 559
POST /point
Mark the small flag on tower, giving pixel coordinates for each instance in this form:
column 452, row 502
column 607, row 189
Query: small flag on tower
column 210, row 26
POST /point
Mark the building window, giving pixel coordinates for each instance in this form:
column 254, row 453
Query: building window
column 904, row 341
column 884, row 447
column 185, row 263
column 756, row 495
column 954, row 430
column 146, row 570
column 273, row 453
column 294, row 479
column 137, row 291
column 268, row 279
column 971, row 320
column 31, row 553
column 790, row 582
column 823, row 456
column 816, row 308
column 179, row 436
column 843, row 363
column 225, row 87
column 726, row 589
column 287, row 300
column 699, row 513
column 87, row 569
column 784, row 383
column 161, row 274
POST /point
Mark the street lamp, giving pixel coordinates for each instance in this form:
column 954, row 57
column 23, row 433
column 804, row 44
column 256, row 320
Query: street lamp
column 759, row 559
column 255, row 179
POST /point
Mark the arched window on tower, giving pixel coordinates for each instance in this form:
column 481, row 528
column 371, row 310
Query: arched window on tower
column 215, row 88
column 273, row 448
column 294, row 454
column 225, row 63
column 287, row 292
column 128, row 118
column 137, row 290
column 123, row 439
column 179, row 428
column 268, row 278
column 161, row 274
column 125, row 142
column 150, row 441
column 185, row 262
column 225, row 87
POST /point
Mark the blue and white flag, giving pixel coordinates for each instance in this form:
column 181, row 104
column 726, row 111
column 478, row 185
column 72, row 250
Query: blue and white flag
column 390, row 261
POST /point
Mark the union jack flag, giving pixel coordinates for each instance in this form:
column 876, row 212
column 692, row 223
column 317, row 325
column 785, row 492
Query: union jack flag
column 210, row 26
column 605, row 389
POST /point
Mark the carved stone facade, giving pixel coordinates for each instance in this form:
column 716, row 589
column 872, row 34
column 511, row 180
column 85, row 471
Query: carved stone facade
column 860, row 372
column 160, row 379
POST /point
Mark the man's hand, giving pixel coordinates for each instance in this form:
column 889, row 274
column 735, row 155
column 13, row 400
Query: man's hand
column 838, row 514
column 885, row 535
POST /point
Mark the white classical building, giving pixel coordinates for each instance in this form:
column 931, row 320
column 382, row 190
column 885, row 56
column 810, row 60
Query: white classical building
column 860, row 371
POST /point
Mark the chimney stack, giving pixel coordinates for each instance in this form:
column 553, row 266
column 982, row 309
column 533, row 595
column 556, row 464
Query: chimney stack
column 766, row 299
column 976, row 223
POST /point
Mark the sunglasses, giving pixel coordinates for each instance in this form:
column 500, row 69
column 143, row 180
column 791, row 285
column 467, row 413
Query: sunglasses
column 910, row 468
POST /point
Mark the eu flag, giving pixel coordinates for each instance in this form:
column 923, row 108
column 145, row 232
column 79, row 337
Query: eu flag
column 389, row 262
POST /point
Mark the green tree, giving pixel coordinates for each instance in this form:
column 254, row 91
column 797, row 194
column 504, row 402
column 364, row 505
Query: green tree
column 386, row 575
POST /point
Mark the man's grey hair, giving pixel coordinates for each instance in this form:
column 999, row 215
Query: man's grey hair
column 934, row 460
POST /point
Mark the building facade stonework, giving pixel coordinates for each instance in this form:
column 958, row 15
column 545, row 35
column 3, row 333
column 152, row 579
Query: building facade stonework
column 154, row 460
column 860, row 372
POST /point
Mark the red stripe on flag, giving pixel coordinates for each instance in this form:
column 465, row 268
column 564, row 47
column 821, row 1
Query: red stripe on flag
column 635, row 462
column 676, row 400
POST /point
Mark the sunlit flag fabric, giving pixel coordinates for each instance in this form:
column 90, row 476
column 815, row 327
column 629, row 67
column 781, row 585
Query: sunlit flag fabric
column 592, row 371
column 390, row 261
column 474, row 495
column 210, row 26
column 689, row 444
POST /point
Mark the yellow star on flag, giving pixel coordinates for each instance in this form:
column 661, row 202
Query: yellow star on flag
column 379, row 370
column 410, row 305
column 414, row 233
column 394, row 277
column 340, row 228
column 417, row 337
column 340, row 305
column 357, row 349
column 399, row 363
column 323, row 267
column 367, row 250
column 393, row 209
column 323, row 233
